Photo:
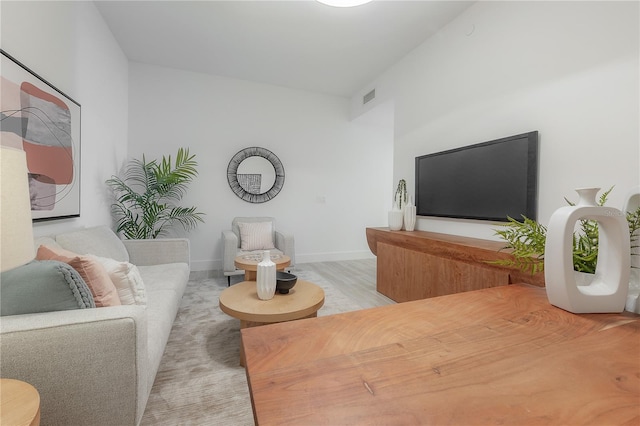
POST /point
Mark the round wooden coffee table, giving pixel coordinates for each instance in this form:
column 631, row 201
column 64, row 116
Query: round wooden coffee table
column 241, row 301
column 20, row 403
column 249, row 262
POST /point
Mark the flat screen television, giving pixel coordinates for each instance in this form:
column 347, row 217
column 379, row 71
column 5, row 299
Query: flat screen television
column 485, row 181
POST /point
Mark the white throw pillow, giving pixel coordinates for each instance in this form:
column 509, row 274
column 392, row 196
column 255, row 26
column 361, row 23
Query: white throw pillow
column 127, row 280
column 256, row 235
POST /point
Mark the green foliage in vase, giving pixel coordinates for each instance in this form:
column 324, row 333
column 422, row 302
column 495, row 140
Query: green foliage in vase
column 633, row 218
column 527, row 239
column 585, row 242
column 400, row 198
column 145, row 195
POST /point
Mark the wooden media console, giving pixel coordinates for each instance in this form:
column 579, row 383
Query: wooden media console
column 418, row 265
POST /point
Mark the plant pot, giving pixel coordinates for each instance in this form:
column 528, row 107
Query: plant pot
column 409, row 217
column 633, row 298
column 632, row 203
column 395, row 220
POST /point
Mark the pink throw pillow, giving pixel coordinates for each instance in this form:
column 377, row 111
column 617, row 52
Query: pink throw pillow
column 92, row 272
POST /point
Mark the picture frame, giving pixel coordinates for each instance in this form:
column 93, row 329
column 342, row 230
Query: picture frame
column 44, row 122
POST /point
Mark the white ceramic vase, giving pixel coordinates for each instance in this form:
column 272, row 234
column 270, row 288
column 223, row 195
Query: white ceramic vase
column 395, row 219
column 632, row 202
column 633, row 298
column 266, row 277
column 607, row 292
column 410, row 216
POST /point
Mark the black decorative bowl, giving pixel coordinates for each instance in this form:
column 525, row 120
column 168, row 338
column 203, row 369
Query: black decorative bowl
column 285, row 282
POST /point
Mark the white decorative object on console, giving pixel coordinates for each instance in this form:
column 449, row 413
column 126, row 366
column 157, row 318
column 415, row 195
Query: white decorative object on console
column 410, row 216
column 395, row 219
column 266, row 277
column 607, row 292
column 396, row 215
column 631, row 204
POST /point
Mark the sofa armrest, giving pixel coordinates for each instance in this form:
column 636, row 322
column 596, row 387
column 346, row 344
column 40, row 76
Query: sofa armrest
column 229, row 250
column 158, row 251
column 88, row 365
column 285, row 243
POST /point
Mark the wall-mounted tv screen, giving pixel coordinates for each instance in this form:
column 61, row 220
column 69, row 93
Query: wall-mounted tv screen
column 486, row 181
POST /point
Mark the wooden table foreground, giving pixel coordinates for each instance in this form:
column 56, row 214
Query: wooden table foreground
column 502, row 355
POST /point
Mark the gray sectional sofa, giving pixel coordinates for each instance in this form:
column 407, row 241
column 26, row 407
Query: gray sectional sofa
column 96, row 366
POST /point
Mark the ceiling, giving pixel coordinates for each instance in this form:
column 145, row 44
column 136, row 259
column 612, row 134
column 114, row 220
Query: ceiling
column 301, row 44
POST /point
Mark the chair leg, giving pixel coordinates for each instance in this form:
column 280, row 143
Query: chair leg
column 228, row 280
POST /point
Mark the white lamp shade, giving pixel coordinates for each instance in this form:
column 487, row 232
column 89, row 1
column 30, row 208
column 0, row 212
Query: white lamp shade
column 16, row 231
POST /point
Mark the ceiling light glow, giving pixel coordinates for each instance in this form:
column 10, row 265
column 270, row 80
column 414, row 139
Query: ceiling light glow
column 344, row 3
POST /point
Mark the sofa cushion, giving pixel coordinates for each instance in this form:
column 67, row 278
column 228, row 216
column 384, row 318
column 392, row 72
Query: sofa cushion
column 127, row 280
column 256, row 235
column 164, row 285
column 43, row 286
column 91, row 271
column 100, row 241
column 161, row 313
column 168, row 276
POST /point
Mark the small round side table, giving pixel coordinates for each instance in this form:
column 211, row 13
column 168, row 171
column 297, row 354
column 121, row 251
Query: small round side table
column 249, row 262
column 19, row 403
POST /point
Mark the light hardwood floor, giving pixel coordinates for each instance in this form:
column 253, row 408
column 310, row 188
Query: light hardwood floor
column 358, row 277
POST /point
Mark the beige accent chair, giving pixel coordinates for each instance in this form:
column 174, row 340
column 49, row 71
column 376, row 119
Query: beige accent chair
column 231, row 243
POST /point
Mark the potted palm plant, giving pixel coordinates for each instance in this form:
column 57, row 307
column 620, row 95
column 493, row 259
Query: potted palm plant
column 146, row 194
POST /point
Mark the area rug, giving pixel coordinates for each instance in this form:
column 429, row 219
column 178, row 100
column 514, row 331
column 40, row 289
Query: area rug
column 199, row 381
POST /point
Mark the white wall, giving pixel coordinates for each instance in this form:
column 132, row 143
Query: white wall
column 338, row 172
column 69, row 45
column 567, row 69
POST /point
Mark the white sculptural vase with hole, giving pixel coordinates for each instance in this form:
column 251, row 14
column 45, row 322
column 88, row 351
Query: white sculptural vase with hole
column 604, row 291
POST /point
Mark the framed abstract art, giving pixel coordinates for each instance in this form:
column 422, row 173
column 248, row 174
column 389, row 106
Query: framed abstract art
column 45, row 123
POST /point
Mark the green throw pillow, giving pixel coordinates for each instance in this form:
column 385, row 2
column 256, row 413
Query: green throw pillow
column 43, row 286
